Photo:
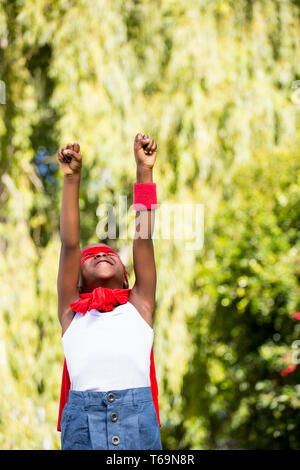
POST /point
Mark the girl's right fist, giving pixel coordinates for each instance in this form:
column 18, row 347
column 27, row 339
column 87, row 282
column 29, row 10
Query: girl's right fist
column 69, row 159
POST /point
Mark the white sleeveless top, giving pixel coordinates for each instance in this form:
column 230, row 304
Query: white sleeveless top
column 108, row 350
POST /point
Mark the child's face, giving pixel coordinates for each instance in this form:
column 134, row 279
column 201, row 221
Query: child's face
column 103, row 266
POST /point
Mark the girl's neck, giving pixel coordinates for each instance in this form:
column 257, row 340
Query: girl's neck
column 106, row 285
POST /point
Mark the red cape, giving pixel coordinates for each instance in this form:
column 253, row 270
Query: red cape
column 66, row 383
column 106, row 299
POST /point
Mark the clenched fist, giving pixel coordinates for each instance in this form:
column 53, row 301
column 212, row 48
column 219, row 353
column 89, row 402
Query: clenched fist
column 145, row 150
column 70, row 159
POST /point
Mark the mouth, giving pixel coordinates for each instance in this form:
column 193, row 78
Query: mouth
column 103, row 261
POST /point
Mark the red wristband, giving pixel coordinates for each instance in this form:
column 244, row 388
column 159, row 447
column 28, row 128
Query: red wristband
column 144, row 196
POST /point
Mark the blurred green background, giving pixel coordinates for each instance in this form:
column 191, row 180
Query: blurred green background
column 215, row 84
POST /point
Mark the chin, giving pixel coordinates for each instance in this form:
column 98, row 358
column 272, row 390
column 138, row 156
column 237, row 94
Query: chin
column 105, row 268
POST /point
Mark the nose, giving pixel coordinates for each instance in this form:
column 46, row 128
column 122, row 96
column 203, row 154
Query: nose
column 97, row 254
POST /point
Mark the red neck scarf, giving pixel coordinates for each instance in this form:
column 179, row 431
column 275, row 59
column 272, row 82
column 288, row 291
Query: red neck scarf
column 102, row 299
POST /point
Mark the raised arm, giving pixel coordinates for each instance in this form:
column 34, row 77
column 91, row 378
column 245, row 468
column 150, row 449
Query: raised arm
column 69, row 159
column 142, row 294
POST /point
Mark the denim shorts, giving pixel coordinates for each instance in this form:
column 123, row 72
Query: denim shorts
column 115, row 420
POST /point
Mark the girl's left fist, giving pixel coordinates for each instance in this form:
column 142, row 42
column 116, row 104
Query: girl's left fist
column 145, row 150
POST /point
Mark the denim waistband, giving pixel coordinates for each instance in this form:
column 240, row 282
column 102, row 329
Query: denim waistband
column 128, row 395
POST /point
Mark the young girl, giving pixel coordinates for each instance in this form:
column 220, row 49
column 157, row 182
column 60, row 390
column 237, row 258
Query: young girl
column 109, row 389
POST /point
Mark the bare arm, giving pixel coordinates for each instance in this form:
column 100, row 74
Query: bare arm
column 69, row 262
column 143, row 292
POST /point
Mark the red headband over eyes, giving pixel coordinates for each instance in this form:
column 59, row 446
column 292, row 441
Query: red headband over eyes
column 92, row 251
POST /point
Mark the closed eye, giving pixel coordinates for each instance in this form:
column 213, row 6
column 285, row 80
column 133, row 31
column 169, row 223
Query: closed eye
column 87, row 254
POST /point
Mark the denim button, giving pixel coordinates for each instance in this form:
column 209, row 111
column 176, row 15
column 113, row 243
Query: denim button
column 111, row 397
column 114, row 417
column 115, row 440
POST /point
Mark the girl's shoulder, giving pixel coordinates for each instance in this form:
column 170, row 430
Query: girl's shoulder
column 66, row 320
column 145, row 313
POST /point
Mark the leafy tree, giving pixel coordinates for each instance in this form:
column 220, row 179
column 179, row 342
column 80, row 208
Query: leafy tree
column 212, row 81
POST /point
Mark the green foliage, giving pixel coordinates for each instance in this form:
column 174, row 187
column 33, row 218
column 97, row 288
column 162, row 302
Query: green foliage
column 211, row 81
column 249, row 281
